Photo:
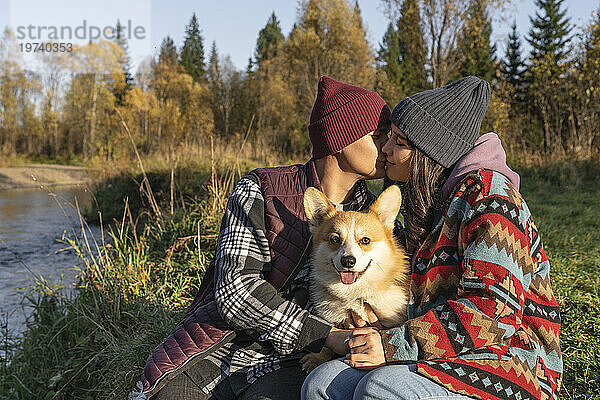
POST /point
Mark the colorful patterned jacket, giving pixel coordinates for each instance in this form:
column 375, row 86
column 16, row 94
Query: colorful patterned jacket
column 482, row 317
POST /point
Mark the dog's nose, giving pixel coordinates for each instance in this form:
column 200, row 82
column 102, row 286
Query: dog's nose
column 348, row 261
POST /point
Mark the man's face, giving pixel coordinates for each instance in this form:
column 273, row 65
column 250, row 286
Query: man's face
column 364, row 157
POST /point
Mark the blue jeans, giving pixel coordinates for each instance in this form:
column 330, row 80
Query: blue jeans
column 336, row 380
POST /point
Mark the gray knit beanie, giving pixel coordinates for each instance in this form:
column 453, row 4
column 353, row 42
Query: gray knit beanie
column 444, row 122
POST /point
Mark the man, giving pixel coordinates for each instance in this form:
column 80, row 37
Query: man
column 250, row 323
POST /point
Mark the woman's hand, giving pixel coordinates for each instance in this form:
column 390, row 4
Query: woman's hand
column 366, row 349
column 356, row 321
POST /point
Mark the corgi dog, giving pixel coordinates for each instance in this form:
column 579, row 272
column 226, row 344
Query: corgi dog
column 356, row 260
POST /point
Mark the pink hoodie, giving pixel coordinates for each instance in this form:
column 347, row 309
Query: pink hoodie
column 487, row 153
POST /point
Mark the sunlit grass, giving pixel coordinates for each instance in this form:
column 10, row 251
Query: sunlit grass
column 565, row 201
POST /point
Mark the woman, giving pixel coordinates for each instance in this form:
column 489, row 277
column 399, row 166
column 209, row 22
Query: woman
column 483, row 322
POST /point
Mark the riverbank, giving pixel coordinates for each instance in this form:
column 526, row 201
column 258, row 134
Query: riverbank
column 36, row 175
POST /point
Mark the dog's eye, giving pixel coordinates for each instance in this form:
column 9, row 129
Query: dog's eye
column 334, row 239
column 365, row 241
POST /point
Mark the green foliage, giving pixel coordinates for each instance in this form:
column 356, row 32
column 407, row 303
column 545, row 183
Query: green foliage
column 388, row 55
column 476, row 52
column 225, row 84
column 69, row 340
column 550, row 40
column 563, row 198
column 214, row 69
column 388, row 73
column 403, row 55
column 413, row 53
column 549, row 35
column 115, row 193
column 125, row 60
column 513, row 64
column 178, row 100
column 243, row 119
column 123, row 85
column 592, row 42
column 192, row 52
column 270, row 40
column 168, row 51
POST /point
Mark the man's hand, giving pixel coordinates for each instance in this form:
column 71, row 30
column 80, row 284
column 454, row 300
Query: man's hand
column 356, row 321
column 366, row 349
column 337, row 340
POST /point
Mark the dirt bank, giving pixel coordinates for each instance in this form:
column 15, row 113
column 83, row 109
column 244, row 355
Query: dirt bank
column 47, row 175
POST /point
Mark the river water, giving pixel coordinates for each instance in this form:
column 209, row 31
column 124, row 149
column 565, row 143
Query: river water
column 33, row 222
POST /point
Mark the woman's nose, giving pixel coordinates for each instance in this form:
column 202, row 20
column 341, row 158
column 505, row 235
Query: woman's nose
column 387, row 147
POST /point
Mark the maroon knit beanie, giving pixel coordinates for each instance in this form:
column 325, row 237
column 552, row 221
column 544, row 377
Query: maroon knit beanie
column 342, row 114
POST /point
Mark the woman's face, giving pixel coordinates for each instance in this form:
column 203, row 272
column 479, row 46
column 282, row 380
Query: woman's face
column 398, row 155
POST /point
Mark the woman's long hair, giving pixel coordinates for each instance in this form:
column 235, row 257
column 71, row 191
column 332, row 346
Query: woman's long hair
column 421, row 194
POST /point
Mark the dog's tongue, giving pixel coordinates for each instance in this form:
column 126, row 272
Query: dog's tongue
column 348, row 278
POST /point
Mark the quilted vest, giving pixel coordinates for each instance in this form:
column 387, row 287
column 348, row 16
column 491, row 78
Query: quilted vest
column 202, row 330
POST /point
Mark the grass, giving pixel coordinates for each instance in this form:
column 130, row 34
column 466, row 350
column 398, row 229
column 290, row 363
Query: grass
column 94, row 344
column 564, row 199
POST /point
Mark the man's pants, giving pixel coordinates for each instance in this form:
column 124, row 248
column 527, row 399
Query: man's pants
column 283, row 384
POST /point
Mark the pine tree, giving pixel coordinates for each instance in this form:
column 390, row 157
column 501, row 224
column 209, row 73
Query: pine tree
column 125, row 62
column 402, row 55
column 214, row 70
column 388, row 58
column 122, row 87
column 269, row 40
column 168, row 51
column 513, row 64
column 550, row 40
column 587, row 89
column 217, row 89
column 192, row 52
column 250, row 67
column 413, row 53
column 244, row 108
column 549, row 35
column 592, row 42
column 357, row 16
column 477, row 53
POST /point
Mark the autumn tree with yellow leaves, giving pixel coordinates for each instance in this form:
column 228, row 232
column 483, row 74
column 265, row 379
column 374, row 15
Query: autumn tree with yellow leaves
column 327, row 39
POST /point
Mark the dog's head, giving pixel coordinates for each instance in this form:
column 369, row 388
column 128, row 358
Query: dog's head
column 348, row 245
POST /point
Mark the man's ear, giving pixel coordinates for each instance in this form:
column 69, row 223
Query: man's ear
column 317, row 207
column 388, row 205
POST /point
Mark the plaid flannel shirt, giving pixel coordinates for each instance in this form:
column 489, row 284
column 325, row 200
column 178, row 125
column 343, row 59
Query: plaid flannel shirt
column 273, row 329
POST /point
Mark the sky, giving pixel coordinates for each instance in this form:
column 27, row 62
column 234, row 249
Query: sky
column 232, row 24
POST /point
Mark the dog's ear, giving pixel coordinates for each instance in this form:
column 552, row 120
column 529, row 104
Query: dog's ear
column 317, row 207
column 388, row 205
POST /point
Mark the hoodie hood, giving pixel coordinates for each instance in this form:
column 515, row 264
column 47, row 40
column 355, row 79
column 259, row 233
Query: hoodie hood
column 487, row 153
